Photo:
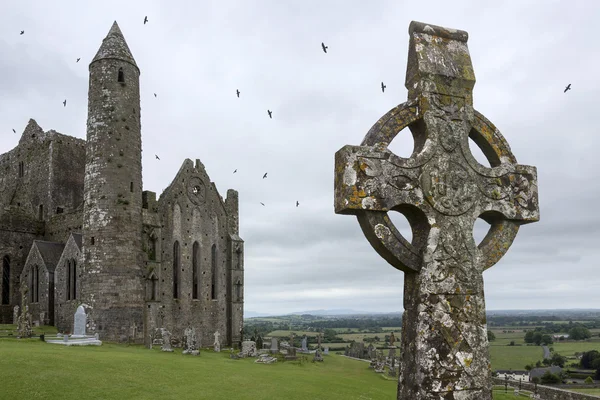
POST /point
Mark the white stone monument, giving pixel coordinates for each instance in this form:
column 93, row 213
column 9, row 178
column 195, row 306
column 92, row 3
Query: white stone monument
column 217, row 343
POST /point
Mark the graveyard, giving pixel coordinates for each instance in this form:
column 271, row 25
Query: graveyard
column 376, row 157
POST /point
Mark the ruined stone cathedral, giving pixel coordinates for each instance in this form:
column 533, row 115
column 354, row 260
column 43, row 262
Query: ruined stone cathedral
column 76, row 227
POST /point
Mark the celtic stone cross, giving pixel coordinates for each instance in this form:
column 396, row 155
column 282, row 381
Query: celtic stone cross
column 441, row 190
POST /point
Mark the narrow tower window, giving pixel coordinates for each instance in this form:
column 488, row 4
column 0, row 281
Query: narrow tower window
column 21, row 169
column 121, row 77
column 213, row 287
column 131, row 187
column 92, row 241
column 238, row 291
column 6, row 281
column 195, row 258
column 41, row 212
column 176, row 270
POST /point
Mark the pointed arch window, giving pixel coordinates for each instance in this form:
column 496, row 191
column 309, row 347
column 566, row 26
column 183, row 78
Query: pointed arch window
column 121, row 77
column 71, row 281
column 213, row 272
column 176, row 266
column 6, row 280
column 34, row 284
column 195, row 270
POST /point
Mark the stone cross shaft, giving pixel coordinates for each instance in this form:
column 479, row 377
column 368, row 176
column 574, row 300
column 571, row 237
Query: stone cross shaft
column 441, row 190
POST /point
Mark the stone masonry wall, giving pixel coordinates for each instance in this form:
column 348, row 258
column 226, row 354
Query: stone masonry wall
column 192, row 211
column 547, row 392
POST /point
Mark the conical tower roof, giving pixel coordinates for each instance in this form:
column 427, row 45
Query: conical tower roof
column 114, row 46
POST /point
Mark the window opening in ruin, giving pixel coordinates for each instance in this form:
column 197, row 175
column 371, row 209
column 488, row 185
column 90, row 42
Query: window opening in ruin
column 73, row 280
column 59, row 210
column 152, row 255
column 21, row 169
column 34, row 284
column 153, row 288
column 213, row 286
column 195, row 278
column 238, row 291
column 92, row 241
column 176, row 270
column 68, row 280
column 131, row 187
column 6, row 281
column 121, row 77
column 41, row 212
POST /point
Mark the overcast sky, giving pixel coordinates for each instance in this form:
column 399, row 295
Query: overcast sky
column 195, row 54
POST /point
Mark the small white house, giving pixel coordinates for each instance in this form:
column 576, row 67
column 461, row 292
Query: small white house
column 513, row 375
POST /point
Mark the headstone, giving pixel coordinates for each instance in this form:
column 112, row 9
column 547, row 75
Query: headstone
column 304, row 344
column 248, row 349
column 265, row 359
column 392, row 339
column 217, row 343
column 166, row 340
column 274, row 348
column 259, row 342
column 80, row 321
column 191, row 342
column 326, row 351
column 318, row 357
column 24, row 329
column 371, row 351
column 66, row 338
column 42, row 318
column 392, row 356
column 442, row 190
column 15, row 314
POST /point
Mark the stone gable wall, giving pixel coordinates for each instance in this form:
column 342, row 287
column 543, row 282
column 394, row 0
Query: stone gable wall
column 64, row 309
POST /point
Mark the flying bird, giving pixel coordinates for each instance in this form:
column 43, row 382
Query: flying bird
column 238, row 92
column 145, row 19
column 78, row 60
column 14, row 131
column 567, row 88
column 156, row 157
column 297, row 203
column 383, row 87
column 324, row 47
column 65, row 103
column 22, row 32
column 235, row 171
column 265, row 175
column 270, row 113
column 262, row 203
column 154, row 94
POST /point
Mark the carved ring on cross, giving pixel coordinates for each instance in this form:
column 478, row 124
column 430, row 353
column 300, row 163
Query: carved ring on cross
column 447, row 186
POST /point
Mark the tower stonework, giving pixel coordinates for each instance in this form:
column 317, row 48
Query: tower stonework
column 76, row 228
column 112, row 277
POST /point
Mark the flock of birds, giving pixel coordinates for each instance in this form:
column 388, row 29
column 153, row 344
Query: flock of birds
column 269, row 112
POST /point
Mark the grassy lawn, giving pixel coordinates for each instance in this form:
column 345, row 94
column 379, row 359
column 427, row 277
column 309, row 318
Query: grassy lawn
column 36, row 370
column 514, row 357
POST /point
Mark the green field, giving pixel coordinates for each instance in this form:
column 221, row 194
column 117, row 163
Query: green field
column 568, row 349
column 514, row 357
column 287, row 333
column 587, row 391
column 35, row 370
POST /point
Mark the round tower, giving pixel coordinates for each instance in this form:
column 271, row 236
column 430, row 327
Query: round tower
column 111, row 276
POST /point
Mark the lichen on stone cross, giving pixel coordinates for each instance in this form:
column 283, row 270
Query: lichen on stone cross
column 441, row 190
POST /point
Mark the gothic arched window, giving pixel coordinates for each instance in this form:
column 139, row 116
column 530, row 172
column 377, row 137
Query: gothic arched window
column 195, row 271
column 176, row 262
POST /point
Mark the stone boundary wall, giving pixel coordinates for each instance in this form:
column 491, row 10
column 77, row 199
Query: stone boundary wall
column 547, row 392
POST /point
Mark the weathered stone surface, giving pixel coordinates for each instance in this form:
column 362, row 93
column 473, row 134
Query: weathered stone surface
column 120, row 240
column 190, row 342
column 80, row 322
column 441, row 190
